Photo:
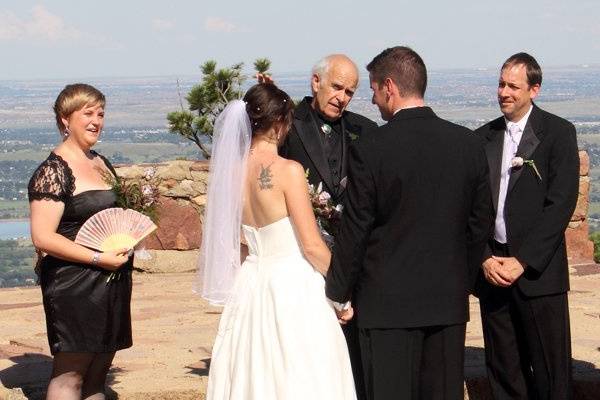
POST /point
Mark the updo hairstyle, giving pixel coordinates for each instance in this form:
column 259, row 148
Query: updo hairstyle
column 74, row 97
column 266, row 105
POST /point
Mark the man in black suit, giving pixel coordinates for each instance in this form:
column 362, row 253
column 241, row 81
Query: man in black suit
column 523, row 284
column 322, row 128
column 417, row 216
column 319, row 138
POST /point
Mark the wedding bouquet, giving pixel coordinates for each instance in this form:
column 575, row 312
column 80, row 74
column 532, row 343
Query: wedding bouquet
column 326, row 212
column 140, row 195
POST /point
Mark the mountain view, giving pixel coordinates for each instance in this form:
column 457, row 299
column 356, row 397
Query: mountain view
column 136, row 129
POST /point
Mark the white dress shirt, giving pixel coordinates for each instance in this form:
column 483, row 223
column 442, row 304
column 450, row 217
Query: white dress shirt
column 512, row 138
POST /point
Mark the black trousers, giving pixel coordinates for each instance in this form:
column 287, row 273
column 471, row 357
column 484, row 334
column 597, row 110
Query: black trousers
column 352, row 339
column 527, row 343
column 414, row 364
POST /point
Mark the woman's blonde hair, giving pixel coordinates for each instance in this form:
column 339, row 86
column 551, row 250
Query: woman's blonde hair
column 74, row 97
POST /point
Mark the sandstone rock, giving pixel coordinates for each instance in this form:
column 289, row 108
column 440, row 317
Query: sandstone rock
column 580, row 249
column 584, row 163
column 575, row 224
column 169, row 261
column 581, row 209
column 171, row 188
column 200, row 200
column 200, row 176
column 188, row 188
column 199, row 187
column 131, row 172
column 200, row 166
column 179, row 227
column 178, row 170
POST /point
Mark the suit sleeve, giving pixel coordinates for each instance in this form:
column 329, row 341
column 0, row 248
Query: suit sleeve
column 357, row 222
column 562, row 189
column 481, row 217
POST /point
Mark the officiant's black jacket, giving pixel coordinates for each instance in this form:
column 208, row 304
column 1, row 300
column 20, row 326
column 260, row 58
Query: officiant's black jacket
column 537, row 211
column 303, row 144
column 418, row 214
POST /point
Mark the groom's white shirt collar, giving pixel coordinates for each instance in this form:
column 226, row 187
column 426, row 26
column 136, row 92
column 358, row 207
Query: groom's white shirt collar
column 520, row 123
column 407, row 107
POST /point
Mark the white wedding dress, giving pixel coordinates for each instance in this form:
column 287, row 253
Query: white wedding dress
column 279, row 338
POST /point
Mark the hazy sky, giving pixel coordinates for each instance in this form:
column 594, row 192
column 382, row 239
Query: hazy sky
column 82, row 38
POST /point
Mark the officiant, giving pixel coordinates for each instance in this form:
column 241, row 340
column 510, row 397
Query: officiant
column 321, row 132
column 322, row 128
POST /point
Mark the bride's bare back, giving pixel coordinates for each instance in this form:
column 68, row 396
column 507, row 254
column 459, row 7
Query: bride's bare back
column 264, row 198
column 276, row 188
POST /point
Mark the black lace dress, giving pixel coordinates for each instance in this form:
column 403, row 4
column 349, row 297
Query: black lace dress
column 84, row 312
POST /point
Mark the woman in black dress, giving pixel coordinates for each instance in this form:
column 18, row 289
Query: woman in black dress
column 87, row 318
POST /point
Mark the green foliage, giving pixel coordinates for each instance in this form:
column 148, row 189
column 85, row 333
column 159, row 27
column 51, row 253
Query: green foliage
column 136, row 194
column 16, row 263
column 207, row 99
column 262, row 66
column 595, row 237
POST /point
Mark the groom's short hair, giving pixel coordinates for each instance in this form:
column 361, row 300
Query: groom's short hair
column 404, row 66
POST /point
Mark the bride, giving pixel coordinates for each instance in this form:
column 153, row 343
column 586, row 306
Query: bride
column 278, row 337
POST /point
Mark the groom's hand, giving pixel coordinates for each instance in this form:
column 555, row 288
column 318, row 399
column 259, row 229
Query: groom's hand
column 494, row 273
column 345, row 315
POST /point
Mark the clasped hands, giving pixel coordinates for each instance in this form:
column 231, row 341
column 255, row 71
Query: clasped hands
column 344, row 316
column 502, row 271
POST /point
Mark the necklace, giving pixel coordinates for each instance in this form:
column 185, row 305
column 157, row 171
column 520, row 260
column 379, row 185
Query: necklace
column 326, row 129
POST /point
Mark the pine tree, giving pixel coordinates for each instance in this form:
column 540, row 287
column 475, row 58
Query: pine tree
column 207, row 99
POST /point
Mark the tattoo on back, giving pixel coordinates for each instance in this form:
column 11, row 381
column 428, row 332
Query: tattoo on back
column 264, row 178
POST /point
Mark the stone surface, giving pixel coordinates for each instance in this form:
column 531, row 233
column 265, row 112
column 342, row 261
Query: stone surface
column 584, row 163
column 130, row 171
column 200, row 200
column 583, row 200
column 179, row 227
column 168, row 261
column 200, row 166
column 174, row 330
column 177, row 170
column 580, row 249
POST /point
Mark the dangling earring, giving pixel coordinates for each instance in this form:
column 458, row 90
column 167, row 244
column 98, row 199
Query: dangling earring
column 67, row 132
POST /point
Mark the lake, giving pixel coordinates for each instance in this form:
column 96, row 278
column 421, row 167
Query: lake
column 14, row 229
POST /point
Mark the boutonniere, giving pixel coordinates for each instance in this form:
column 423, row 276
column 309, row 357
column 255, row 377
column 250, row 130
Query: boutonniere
column 353, row 136
column 518, row 162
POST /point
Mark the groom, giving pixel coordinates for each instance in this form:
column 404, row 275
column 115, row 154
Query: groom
column 417, row 217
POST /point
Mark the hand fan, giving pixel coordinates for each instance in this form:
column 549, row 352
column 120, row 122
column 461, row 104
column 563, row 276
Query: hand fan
column 114, row 229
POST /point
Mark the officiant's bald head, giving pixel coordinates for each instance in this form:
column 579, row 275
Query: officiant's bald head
column 333, row 82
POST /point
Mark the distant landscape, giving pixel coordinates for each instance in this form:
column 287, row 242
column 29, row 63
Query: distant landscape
column 136, row 130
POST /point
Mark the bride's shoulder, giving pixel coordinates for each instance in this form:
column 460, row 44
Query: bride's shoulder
column 292, row 169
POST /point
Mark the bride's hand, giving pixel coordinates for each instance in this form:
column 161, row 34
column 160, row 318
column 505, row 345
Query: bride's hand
column 345, row 316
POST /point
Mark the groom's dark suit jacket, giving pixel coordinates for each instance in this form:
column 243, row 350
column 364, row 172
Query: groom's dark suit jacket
column 303, row 144
column 536, row 211
column 418, row 214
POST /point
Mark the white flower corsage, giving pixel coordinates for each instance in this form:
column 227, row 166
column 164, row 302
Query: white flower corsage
column 518, row 162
